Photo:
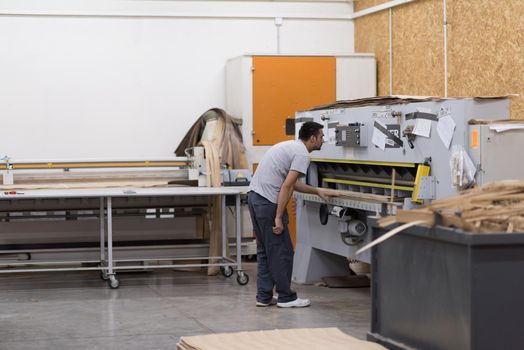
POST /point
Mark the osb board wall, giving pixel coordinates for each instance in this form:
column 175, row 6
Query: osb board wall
column 486, row 51
column 359, row 5
column 372, row 35
column 485, row 48
column 418, row 49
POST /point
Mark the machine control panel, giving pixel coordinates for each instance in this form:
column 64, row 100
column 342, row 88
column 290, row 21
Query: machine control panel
column 351, row 135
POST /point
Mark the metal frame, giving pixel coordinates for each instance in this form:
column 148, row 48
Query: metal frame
column 107, row 261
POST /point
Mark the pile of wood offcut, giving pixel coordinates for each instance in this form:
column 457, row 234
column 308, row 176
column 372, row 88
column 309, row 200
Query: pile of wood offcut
column 495, row 207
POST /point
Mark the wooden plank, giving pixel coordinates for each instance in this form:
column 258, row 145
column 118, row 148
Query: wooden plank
column 360, row 195
column 387, row 221
column 424, row 215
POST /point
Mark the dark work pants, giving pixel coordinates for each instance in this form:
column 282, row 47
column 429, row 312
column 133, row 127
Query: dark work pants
column 274, row 252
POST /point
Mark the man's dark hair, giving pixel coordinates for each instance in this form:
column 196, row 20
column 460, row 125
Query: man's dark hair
column 309, row 129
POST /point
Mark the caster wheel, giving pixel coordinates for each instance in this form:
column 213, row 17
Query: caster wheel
column 242, row 278
column 227, row 271
column 104, row 276
column 251, row 257
column 113, row 282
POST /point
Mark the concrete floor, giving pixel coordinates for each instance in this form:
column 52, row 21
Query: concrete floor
column 151, row 310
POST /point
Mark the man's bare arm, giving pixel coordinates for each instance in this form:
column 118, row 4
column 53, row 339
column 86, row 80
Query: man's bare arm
column 323, row 193
column 286, row 191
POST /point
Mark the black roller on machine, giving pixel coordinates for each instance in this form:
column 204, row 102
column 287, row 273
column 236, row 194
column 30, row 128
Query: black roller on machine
column 324, row 214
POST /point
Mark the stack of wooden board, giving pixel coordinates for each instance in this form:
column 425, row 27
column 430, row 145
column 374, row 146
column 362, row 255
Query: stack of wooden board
column 495, row 207
column 278, row 339
column 97, row 179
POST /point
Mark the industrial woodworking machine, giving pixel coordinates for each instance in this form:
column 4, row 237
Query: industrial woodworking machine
column 394, row 152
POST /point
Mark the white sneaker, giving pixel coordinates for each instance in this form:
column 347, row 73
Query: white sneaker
column 295, row 303
column 272, row 302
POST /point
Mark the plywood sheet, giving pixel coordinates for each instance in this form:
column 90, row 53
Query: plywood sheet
column 486, row 49
column 278, row 339
column 283, row 85
column 418, row 49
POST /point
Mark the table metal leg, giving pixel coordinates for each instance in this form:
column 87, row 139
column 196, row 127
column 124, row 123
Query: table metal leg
column 113, row 282
column 224, row 218
column 237, row 232
column 242, row 277
column 227, row 270
column 103, row 262
column 102, row 231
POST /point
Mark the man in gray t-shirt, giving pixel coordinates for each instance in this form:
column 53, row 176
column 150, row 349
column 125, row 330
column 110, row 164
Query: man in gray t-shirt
column 272, row 186
column 276, row 164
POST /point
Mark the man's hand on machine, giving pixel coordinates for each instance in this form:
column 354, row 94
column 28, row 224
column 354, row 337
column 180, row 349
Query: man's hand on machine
column 323, row 193
column 326, row 194
column 279, row 226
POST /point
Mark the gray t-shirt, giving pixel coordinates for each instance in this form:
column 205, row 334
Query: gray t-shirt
column 276, row 164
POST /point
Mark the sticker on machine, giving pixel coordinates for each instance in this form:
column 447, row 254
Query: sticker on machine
column 386, row 135
column 330, row 128
column 391, row 141
column 379, row 138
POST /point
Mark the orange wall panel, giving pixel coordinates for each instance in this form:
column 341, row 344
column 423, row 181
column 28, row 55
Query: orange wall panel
column 283, row 85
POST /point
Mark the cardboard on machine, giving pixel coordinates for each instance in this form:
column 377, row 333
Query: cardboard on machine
column 399, row 99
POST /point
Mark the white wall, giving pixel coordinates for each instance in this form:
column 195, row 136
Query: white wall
column 126, row 79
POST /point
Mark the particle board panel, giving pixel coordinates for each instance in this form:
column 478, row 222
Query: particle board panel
column 486, row 49
column 283, row 85
column 372, row 35
column 418, row 49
